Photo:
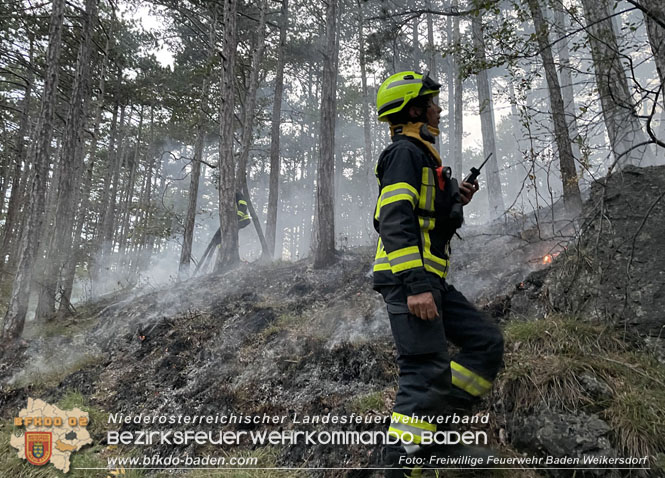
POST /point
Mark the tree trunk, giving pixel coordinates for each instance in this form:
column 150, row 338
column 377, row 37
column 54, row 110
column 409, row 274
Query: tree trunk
column 9, row 242
column 84, row 204
column 656, row 34
column 71, row 165
column 106, row 211
column 275, row 123
column 567, row 91
column 654, row 19
column 143, row 253
column 5, row 166
column 496, row 206
column 228, row 220
column 623, row 128
column 123, row 242
column 571, row 190
column 517, row 169
column 458, row 120
column 324, row 253
column 248, row 127
column 367, row 170
column 431, row 57
column 431, row 60
column 14, row 320
column 415, row 53
column 20, row 175
column 190, row 219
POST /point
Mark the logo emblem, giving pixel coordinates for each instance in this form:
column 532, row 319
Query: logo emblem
column 38, row 447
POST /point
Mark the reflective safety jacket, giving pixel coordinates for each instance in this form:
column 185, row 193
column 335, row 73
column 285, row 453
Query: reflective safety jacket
column 241, row 207
column 412, row 213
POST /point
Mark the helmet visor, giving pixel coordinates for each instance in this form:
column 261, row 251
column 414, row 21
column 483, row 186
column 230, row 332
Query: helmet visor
column 429, row 85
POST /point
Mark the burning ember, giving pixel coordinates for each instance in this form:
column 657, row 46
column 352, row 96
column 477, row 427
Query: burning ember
column 141, row 338
column 549, row 258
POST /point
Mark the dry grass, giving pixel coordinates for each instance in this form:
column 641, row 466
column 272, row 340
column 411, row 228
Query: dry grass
column 544, row 361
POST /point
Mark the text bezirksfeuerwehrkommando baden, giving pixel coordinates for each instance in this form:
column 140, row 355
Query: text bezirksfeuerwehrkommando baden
column 289, row 437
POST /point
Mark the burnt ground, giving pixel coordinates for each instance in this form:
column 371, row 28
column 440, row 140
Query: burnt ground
column 285, row 338
column 269, row 340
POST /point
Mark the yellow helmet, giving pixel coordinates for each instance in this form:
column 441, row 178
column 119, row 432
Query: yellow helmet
column 400, row 88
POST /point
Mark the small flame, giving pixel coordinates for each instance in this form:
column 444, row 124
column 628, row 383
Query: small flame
column 141, row 338
column 550, row 257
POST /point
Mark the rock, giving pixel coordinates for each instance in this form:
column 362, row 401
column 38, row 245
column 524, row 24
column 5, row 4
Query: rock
column 562, row 434
column 594, row 387
column 617, row 269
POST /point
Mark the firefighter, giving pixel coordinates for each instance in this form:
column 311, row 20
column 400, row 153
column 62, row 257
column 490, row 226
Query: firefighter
column 244, row 220
column 417, row 213
column 241, row 208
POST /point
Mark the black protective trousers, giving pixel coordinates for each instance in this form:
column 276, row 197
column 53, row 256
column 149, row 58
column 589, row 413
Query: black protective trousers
column 426, row 377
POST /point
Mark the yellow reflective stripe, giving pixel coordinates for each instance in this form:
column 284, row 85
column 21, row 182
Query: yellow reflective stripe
column 396, row 192
column 380, row 251
column 403, row 252
column 412, row 421
column 397, row 196
column 405, row 188
column 435, row 269
column 426, row 223
column 412, row 264
column 432, row 263
column 469, row 381
column 243, row 202
column 381, row 265
column 416, row 472
column 428, row 176
column 442, row 263
column 381, row 262
column 406, row 258
column 426, row 199
column 412, row 436
column 412, row 427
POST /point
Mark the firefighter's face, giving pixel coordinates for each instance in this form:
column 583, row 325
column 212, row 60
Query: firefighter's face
column 432, row 113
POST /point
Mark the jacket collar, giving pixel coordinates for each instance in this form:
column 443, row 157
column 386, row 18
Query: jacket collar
column 422, row 132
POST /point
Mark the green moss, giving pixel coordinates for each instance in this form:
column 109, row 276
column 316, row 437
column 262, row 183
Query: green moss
column 371, row 402
column 98, row 418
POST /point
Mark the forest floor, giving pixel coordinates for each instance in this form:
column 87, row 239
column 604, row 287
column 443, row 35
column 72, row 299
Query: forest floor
column 580, row 303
